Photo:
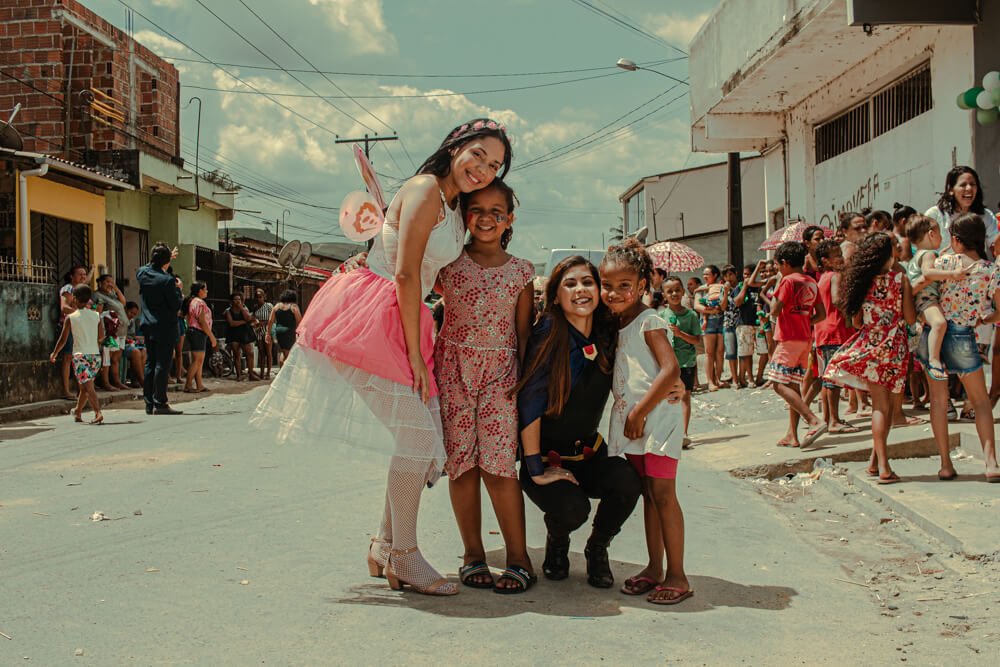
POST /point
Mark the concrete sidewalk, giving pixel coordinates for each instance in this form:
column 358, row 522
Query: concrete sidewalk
column 955, row 512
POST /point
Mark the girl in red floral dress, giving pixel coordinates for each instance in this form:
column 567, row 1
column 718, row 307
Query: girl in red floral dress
column 488, row 313
column 875, row 358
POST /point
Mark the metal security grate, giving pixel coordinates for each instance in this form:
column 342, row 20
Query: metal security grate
column 907, row 98
column 847, row 131
column 902, row 100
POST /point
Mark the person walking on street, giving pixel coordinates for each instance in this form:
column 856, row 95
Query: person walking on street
column 160, row 305
column 284, row 320
column 76, row 276
column 85, row 325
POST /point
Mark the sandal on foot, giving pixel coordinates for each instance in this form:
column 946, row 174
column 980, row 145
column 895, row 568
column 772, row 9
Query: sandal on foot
column 937, row 371
column 871, row 472
column 843, row 427
column 376, row 567
column 98, row 420
column 682, row 595
column 814, row 435
column 440, row 587
column 993, row 479
column 947, row 478
column 638, row 585
column 891, row 479
column 520, row 576
column 469, row 570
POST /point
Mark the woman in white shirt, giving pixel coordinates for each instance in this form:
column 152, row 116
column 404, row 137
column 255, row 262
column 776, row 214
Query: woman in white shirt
column 963, row 193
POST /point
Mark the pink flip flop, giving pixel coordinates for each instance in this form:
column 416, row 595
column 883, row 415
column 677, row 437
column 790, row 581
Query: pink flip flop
column 639, row 585
column 684, row 595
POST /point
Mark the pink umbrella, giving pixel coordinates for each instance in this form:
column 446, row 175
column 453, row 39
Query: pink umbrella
column 791, row 233
column 673, row 256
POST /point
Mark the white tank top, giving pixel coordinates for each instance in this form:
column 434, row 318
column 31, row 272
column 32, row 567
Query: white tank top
column 83, row 324
column 444, row 245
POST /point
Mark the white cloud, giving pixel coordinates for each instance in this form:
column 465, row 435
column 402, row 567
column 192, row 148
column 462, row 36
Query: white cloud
column 158, row 43
column 361, row 21
column 676, row 29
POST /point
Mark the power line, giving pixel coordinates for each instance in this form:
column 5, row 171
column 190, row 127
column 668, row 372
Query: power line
column 653, row 63
column 331, row 81
column 422, row 95
column 276, row 63
column 628, row 26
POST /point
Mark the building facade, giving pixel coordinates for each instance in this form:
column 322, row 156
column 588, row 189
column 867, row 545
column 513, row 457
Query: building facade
column 691, row 206
column 844, row 116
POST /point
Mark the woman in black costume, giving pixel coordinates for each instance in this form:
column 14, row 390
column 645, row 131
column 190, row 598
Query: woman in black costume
column 561, row 400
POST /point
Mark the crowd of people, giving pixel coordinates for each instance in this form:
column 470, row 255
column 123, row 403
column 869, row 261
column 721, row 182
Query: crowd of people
column 156, row 334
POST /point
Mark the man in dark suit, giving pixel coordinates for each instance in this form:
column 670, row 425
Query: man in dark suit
column 160, row 303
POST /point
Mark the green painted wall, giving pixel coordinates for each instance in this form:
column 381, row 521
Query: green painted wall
column 130, row 209
column 28, row 317
column 198, row 227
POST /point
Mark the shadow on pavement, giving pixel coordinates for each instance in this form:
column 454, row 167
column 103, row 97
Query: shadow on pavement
column 572, row 597
column 22, row 431
column 700, row 442
column 981, row 477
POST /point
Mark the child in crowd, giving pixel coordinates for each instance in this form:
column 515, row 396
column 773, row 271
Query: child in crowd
column 746, row 302
column 489, row 297
column 925, row 234
column 85, row 325
column 879, row 300
column 900, row 215
column 686, row 329
column 646, row 422
column 710, row 303
column 832, row 332
column 794, row 308
column 135, row 343
column 731, row 320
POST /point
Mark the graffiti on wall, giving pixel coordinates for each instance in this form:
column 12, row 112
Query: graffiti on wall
column 862, row 196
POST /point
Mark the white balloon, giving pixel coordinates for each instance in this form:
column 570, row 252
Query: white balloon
column 360, row 217
column 983, row 100
column 991, row 81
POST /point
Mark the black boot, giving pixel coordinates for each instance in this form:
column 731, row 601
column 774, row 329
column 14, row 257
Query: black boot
column 556, row 563
column 598, row 568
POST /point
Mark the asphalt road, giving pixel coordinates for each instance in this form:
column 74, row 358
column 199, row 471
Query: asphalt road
column 221, row 548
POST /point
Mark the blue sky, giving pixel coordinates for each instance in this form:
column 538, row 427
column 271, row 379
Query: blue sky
column 570, row 198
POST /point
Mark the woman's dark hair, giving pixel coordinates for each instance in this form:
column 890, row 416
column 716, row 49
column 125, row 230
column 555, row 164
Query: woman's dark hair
column 555, row 349
column 508, row 193
column 235, row 294
column 661, row 272
column 844, row 218
column 947, row 204
column 970, row 230
column 811, row 231
column 101, row 278
column 632, row 254
column 858, row 275
column 792, row 253
column 196, row 287
column 879, row 220
column 130, row 305
column 288, row 296
column 824, row 248
column 159, row 256
column 439, row 163
column 714, row 269
column 901, row 213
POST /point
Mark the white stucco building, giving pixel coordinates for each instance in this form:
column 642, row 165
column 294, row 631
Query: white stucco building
column 692, row 206
column 843, row 119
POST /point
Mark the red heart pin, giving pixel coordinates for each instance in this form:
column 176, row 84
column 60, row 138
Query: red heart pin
column 554, row 459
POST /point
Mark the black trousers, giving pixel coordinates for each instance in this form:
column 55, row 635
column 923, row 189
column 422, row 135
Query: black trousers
column 159, row 355
column 612, row 480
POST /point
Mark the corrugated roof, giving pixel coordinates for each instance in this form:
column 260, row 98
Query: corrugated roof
column 68, row 167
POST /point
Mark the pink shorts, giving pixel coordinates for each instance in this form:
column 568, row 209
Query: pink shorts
column 789, row 362
column 654, row 465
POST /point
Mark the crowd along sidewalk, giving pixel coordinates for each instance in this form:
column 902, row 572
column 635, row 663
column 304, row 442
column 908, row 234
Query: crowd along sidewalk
column 954, row 512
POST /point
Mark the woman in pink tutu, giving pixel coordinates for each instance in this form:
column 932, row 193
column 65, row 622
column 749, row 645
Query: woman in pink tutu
column 362, row 371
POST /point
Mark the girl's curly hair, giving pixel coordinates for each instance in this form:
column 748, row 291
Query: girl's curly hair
column 631, row 253
column 859, row 273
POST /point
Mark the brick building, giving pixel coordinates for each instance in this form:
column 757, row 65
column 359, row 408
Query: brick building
column 84, row 84
column 92, row 95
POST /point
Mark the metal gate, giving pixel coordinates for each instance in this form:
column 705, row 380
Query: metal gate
column 62, row 243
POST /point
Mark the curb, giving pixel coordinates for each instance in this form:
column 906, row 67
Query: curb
column 908, row 449
column 29, row 411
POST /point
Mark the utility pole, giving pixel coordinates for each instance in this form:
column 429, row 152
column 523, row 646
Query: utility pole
column 366, row 141
column 735, row 223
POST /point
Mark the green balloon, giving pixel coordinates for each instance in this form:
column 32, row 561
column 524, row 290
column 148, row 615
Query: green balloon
column 987, row 116
column 960, row 101
column 969, row 97
column 995, row 97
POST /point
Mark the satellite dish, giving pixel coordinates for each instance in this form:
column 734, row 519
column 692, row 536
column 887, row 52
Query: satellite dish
column 9, row 137
column 305, row 252
column 288, row 253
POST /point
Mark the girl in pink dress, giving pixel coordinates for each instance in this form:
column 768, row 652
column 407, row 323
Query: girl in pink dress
column 362, row 372
column 876, row 357
column 489, row 303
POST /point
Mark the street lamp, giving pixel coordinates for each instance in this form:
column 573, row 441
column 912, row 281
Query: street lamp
column 627, row 64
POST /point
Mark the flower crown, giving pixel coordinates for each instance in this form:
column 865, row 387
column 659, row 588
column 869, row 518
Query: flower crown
column 484, row 124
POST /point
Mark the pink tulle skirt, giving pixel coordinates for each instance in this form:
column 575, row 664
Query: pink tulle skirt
column 354, row 319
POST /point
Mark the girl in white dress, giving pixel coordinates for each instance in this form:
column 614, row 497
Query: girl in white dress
column 362, row 372
column 647, row 421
